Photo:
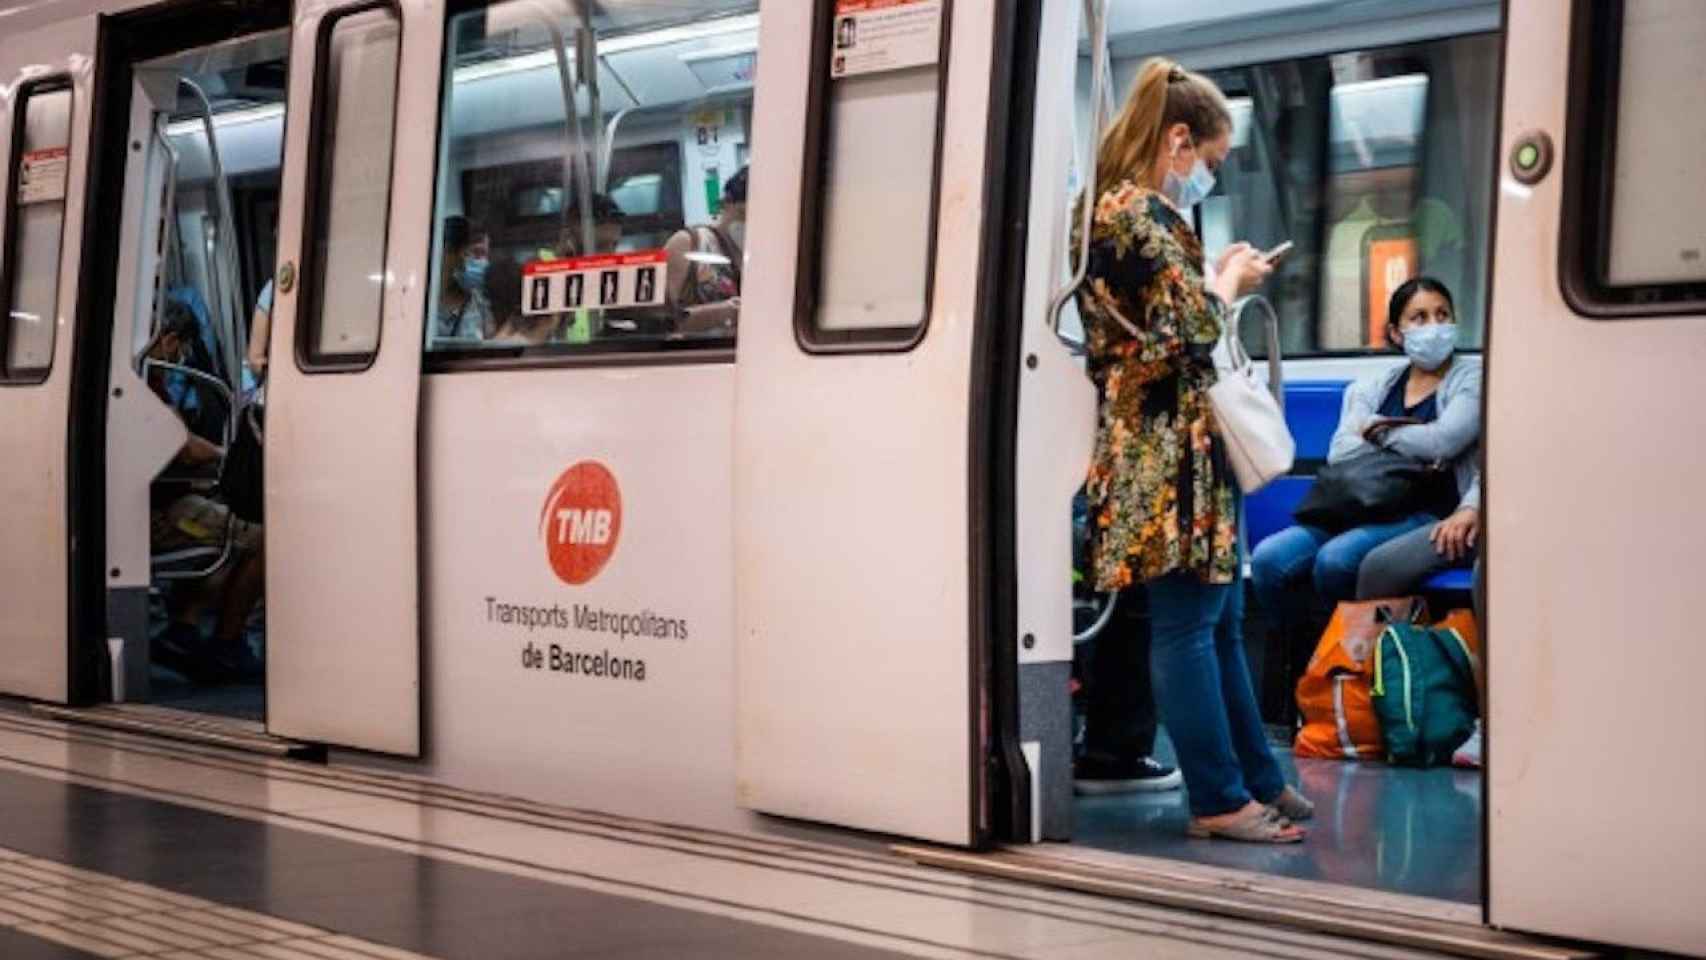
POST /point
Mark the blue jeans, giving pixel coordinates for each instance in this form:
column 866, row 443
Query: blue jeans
column 1283, row 561
column 1202, row 687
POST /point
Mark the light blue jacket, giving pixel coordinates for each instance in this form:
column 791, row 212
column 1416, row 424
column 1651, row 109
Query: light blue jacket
column 1454, row 438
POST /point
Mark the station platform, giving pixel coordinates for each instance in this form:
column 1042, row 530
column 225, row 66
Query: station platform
column 122, row 845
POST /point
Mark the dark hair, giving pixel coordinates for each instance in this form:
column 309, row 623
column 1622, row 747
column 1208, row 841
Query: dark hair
column 458, row 232
column 177, row 319
column 1164, row 94
column 734, row 191
column 604, row 209
column 1407, row 291
column 503, row 289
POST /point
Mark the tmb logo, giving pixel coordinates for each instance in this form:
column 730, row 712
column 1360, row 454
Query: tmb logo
column 581, row 522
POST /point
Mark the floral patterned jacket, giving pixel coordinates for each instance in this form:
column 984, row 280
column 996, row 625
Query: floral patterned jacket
column 1162, row 494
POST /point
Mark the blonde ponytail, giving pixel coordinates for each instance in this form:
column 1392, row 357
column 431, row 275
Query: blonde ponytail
column 1164, row 94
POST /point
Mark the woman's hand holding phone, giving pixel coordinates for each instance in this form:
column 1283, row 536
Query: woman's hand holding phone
column 1242, row 270
column 1278, row 254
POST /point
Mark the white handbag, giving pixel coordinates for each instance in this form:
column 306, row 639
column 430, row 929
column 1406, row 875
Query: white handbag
column 1252, row 422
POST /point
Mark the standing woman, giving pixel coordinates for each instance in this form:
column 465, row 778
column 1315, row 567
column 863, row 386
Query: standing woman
column 1164, row 498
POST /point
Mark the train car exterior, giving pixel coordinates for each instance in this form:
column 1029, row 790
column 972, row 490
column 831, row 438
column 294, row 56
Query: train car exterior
column 811, row 566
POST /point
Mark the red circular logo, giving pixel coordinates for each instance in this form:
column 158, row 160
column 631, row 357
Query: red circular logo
column 581, row 522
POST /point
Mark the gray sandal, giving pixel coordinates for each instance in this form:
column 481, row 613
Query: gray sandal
column 1292, row 805
column 1252, row 825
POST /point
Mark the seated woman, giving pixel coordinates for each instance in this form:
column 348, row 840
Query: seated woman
column 512, row 327
column 1400, row 566
column 1429, row 409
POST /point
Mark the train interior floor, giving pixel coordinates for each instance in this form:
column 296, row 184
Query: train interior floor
column 1406, row 831
column 238, row 701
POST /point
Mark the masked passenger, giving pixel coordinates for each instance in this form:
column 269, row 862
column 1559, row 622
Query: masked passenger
column 463, row 312
column 194, row 520
column 1428, row 409
column 1164, row 504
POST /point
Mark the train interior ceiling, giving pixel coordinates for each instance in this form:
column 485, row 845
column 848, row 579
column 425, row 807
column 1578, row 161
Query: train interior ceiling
column 1364, row 139
column 1367, row 141
column 215, row 137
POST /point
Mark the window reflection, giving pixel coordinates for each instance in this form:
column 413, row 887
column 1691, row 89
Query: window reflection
column 599, row 209
column 1378, row 165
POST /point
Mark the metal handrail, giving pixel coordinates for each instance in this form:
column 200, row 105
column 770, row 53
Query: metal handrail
column 1097, row 13
column 1101, row 623
column 586, row 65
column 228, row 540
column 171, row 260
column 223, row 272
column 609, row 147
column 575, row 159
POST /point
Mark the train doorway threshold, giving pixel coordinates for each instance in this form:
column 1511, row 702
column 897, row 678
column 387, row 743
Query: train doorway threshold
column 184, row 725
column 1374, row 916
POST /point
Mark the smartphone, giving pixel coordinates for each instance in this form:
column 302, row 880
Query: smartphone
column 1277, row 254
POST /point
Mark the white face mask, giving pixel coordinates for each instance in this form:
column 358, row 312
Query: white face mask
column 1431, row 345
column 1188, row 191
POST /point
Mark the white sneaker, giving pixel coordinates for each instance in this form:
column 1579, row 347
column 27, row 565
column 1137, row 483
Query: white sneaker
column 1469, row 755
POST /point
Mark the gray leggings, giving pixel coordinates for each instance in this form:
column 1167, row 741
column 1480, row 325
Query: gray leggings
column 1398, row 566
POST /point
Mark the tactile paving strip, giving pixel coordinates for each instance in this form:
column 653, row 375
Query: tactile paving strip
column 109, row 917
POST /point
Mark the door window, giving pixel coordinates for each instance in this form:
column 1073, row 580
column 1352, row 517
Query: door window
column 35, row 230
column 869, row 214
column 1632, row 209
column 351, row 189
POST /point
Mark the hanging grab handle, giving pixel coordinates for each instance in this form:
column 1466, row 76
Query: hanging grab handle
column 1096, row 11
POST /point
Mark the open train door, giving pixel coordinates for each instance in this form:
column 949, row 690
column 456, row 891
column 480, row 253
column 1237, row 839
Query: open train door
column 861, row 656
column 44, row 137
column 1596, row 443
column 343, row 648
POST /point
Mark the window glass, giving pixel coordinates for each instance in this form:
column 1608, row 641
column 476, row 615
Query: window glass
column 35, row 228
column 1656, row 201
column 592, row 178
column 1378, row 165
column 353, row 187
column 875, row 203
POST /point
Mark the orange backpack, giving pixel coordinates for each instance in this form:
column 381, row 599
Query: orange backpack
column 1333, row 695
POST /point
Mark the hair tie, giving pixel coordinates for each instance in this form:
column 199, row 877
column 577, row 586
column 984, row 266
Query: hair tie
column 1176, row 74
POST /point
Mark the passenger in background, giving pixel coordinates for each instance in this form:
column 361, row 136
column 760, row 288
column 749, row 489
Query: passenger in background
column 1165, row 506
column 705, row 265
column 1429, row 409
column 607, row 220
column 514, row 328
column 194, row 520
column 462, row 312
column 260, row 332
column 260, row 325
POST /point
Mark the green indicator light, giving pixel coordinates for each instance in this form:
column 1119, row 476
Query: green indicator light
column 1527, row 156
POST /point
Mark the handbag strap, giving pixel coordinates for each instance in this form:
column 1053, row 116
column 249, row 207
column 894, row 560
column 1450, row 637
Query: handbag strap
column 1239, row 357
column 1415, row 615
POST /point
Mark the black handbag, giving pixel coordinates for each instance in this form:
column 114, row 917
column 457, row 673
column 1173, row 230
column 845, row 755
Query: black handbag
column 1372, row 487
column 240, row 482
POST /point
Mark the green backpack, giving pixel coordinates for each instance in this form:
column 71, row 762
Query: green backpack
column 1424, row 693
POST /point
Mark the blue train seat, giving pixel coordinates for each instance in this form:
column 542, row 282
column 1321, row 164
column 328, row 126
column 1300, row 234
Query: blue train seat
column 1312, row 412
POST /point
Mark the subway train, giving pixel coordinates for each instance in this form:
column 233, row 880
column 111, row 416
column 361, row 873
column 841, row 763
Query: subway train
column 674, row 408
